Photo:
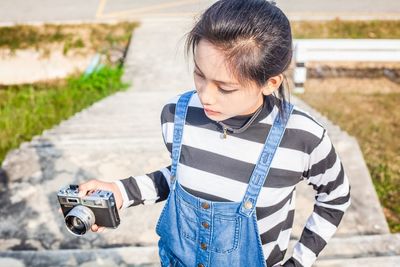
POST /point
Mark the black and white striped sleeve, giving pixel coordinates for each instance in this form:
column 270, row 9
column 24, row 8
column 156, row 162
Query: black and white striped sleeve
column 152, row 187
column 326, row 175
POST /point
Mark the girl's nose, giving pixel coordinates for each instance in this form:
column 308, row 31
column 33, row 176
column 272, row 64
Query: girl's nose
column 207, row 94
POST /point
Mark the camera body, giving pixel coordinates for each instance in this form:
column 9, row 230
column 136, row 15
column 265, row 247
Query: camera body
column 81, row 213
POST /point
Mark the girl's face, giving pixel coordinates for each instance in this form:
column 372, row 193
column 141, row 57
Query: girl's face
column 219, row 91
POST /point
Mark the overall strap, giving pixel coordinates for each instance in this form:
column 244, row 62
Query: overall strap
column 179, row 122
column 263, row 165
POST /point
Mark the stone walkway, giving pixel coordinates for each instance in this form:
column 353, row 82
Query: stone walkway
column 120, row 136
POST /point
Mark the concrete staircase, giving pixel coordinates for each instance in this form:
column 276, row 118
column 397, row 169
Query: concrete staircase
column 120, row 136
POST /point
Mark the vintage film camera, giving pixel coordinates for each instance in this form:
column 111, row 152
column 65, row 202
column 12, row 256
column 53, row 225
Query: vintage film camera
column 81, row 213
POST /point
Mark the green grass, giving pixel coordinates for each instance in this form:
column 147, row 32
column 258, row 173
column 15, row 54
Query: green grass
column 374, row 29
column 27, row 110
column 373, row 118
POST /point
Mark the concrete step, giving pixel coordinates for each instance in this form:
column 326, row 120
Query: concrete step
column 109, row 120
column 389, row 261
column 145, row 140
column 112, row 135
column 374, row 250
column 105, row 128
column 125, row 256
column 113, row 117
column 362, row 246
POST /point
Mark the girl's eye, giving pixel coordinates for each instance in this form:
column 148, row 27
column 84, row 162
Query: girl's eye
column 225, row 91
column 198, row 74
column 219, row 89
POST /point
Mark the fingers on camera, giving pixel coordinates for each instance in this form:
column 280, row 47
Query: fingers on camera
column 97, row 229
column 88, row 187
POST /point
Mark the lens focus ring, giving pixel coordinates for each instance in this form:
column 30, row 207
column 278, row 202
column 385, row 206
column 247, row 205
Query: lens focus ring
column 79, row 220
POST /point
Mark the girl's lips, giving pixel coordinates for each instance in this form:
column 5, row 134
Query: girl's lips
column 211, row 112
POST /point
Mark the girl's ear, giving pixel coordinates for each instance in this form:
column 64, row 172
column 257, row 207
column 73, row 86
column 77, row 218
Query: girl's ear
column 272, row 84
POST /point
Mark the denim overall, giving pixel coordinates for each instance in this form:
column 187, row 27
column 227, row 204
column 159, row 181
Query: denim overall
column 198, row 232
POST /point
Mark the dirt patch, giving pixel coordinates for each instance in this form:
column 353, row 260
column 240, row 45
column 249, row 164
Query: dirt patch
column 354, row 65
column 365, row 86
column 372, row 29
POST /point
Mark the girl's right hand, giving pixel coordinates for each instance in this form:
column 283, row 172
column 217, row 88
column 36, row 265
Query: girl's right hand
column 92, row 185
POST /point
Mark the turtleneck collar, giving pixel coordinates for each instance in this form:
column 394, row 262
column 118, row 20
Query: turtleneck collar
column 239, row 121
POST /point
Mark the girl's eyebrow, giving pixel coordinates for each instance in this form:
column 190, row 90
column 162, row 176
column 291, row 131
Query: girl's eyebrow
column 221, row 82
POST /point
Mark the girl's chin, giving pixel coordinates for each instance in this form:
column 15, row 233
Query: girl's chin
column 216, row 117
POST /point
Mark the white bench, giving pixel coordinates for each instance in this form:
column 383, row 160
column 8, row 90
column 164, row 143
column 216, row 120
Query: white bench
column 306, row 50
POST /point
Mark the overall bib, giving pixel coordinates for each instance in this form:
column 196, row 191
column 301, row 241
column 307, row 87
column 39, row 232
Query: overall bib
column 198, row 232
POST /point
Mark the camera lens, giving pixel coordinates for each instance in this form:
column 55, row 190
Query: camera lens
column 79, row 220
column 77, row 224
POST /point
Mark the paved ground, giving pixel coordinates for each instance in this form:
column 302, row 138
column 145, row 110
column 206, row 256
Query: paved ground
column 22, row 11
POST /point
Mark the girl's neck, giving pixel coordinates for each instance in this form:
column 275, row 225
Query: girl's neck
column 240, row 120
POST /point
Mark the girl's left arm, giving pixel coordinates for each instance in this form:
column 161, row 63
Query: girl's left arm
column 326, row 174
column 145, row 189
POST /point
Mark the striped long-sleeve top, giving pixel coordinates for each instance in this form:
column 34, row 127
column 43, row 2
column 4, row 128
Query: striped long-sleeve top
column 219, row 169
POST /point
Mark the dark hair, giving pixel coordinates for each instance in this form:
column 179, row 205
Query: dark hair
column 254, row 35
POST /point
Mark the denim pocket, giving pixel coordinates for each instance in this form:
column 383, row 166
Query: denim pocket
column 187, row 220
column 226, row 233
column 161, row 219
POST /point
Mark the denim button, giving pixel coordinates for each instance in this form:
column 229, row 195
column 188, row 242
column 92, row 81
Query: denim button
column 200, row 265
column 248, row 205
column 205, row 225
column 205, row 205
column 203, row 246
